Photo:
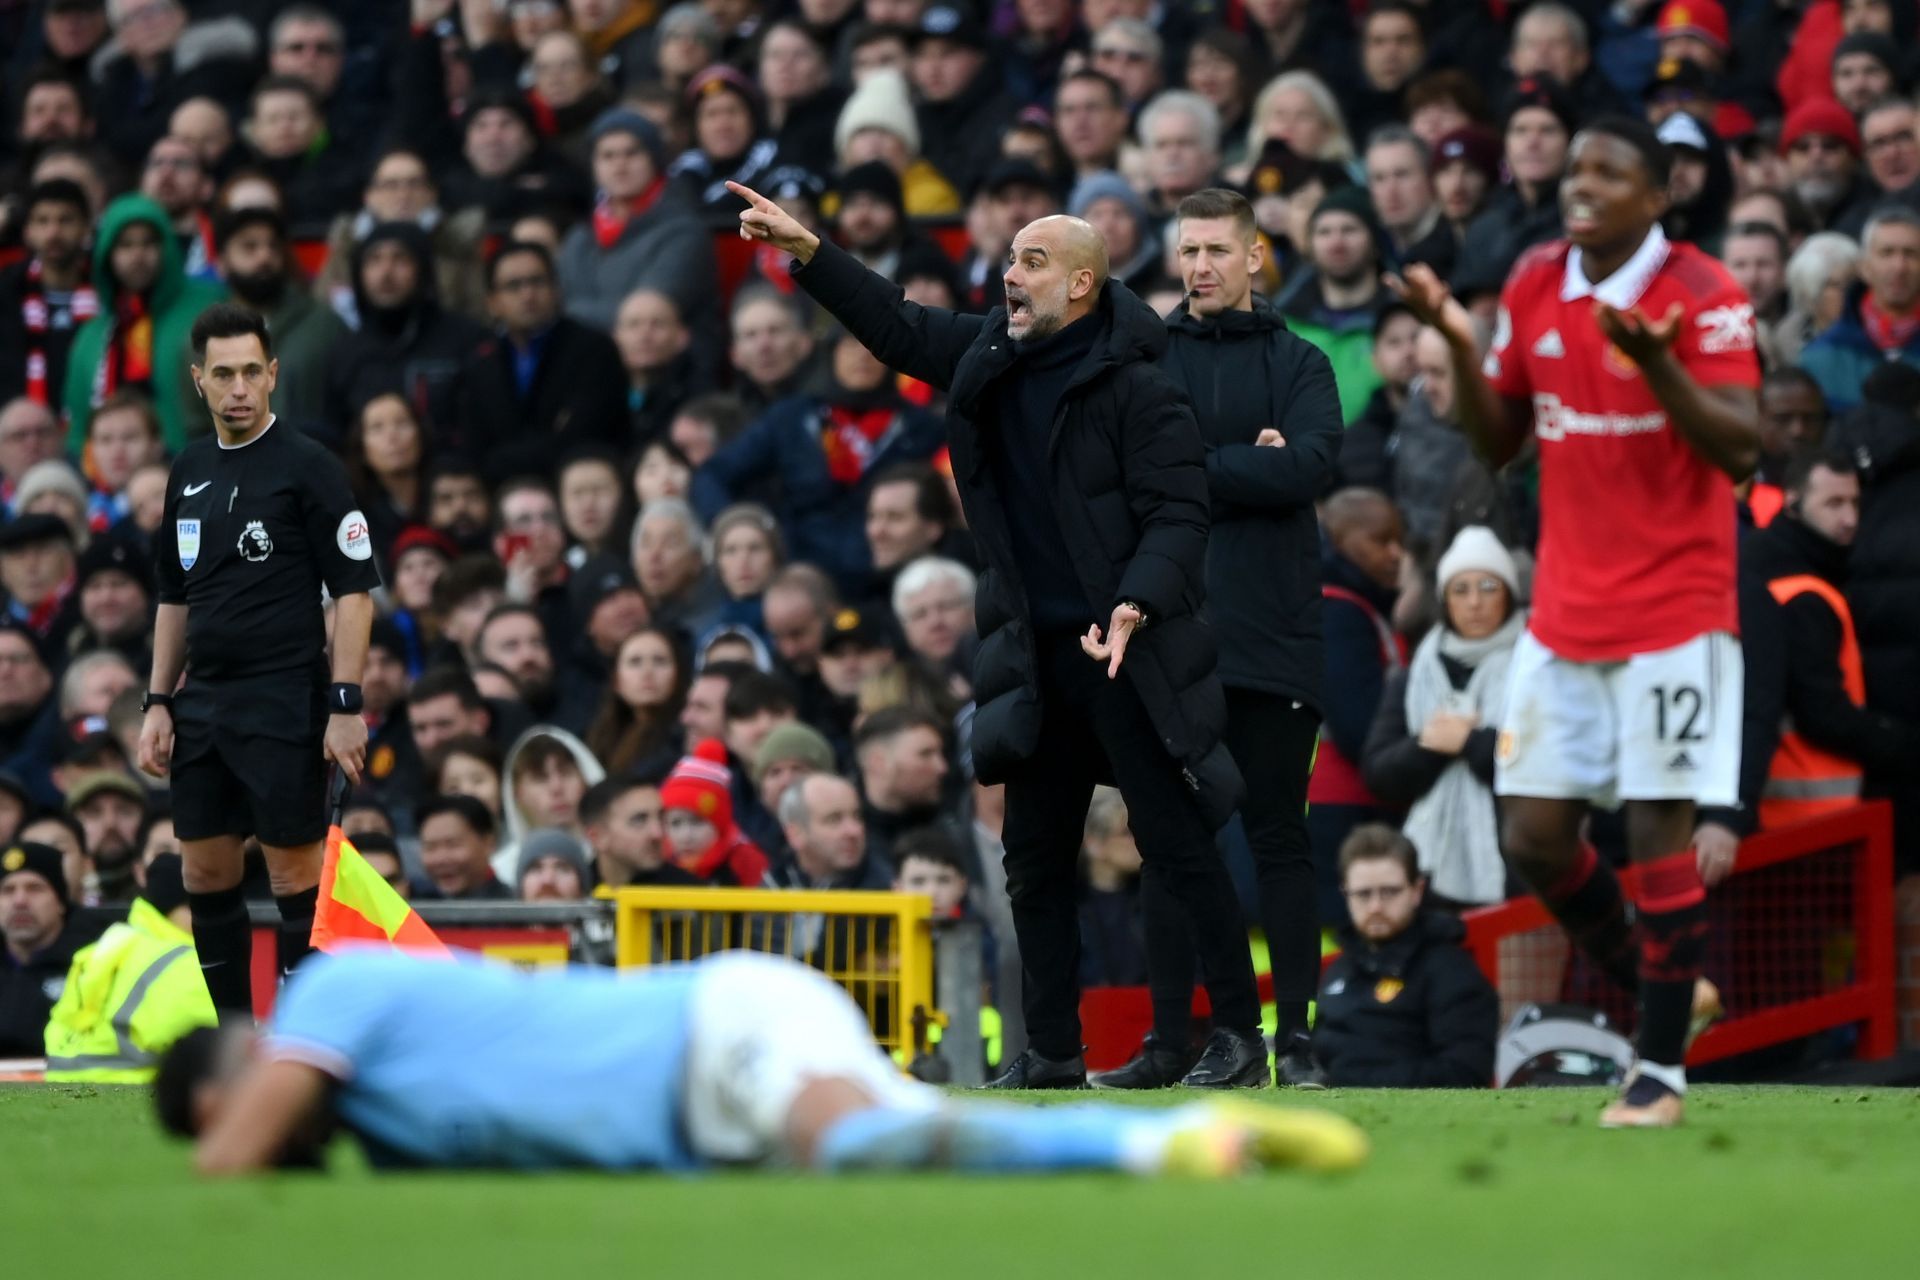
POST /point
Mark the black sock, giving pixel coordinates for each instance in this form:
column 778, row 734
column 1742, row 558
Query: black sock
column 1289, row 1020
column 1590, row 906
column 295, row 938
column 223, row 937
column 1673, row 945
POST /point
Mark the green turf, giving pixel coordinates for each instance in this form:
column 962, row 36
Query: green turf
column 1763, row 1182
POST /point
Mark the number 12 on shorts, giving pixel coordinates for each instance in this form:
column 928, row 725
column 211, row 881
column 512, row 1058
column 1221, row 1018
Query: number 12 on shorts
column 1677, row 707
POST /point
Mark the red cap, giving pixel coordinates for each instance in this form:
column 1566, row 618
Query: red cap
column 1702, row 18
column 419, row 535
column 702, row 784
column 1823, row 116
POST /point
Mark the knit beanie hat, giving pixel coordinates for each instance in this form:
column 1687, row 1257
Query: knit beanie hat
column 551, row 842
column 794, row 740
column 1107, row 185
column 44, row 861
column 701, row 785
column 627, row 120
column 1477, row 548
column 881, row 102
column 166, row 886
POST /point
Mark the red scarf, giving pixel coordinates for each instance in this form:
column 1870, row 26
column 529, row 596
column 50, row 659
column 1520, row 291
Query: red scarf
column 129, row 361
column 772, row 263
column 40, row 617
column 1889, row 332
column 849, row 439
column 37, row 317
column 610, row 217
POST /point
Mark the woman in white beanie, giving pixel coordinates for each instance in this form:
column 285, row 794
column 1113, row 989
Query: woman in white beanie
column 878, row 124
column 1431, row 746
column 56, row 489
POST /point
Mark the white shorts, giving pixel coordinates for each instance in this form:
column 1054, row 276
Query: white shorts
column 1658, row 726
column 761, row 1028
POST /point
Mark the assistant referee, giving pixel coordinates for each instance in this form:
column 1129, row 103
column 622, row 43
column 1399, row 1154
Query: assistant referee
column 257, row 519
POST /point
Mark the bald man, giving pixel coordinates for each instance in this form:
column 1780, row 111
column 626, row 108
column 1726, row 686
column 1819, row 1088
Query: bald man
column 1080, row 469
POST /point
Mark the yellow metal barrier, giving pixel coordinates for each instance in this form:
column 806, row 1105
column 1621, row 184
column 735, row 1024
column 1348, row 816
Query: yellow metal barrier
column 877, row 946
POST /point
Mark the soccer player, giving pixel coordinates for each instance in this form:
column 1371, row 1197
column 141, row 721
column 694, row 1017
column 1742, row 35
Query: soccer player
column 743, row 1058
column 1631, row 361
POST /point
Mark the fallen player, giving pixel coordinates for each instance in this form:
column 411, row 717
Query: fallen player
column 739, row 1059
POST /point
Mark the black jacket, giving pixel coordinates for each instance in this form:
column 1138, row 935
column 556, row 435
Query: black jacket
column 1883, row 578
column 961, row 137
column 15, row 341
column 1397, row 769
column 1244, row 371
column 418, row 350
column 1416, row 1013
column 1816, row 699
column 1131, row 498
column 577, row 398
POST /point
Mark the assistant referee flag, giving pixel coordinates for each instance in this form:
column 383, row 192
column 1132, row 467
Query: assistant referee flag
column 357, row 904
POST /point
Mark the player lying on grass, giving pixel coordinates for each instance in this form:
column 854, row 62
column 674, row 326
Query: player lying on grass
column 741, row 1059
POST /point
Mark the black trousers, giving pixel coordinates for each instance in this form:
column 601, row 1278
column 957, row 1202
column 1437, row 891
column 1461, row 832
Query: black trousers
column 1093, row 729
column 1272, row 739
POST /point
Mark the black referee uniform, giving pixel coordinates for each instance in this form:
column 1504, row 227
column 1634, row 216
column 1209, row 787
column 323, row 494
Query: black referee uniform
column 250, row 535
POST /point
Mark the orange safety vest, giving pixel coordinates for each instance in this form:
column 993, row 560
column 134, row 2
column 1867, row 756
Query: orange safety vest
column 1336, row 779
column 1806, row 780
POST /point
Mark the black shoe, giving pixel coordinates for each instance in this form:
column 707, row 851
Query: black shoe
column 1294, row 1067
column 1032, row 1071
column 1158, row 1065
column 1230, row 1061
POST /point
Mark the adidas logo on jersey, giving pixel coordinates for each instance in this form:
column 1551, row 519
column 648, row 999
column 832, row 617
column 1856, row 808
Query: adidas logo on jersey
column 1681, row 760
column 1549, row 347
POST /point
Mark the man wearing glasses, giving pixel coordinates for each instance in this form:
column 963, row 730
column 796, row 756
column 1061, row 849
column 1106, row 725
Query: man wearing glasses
column 1402, row 1006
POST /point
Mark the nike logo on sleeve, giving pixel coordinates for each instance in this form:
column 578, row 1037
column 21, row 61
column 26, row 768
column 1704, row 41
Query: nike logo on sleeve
column 192, row 489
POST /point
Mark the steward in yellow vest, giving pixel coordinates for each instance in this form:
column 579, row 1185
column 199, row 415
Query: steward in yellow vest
column 133, row 993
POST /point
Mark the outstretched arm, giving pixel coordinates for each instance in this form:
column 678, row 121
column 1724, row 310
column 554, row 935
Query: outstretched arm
column 921, row 342
column 1496, row 424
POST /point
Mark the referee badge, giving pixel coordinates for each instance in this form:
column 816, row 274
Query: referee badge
column 188, row 535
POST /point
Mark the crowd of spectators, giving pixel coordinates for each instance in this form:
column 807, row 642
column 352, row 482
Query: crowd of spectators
column 678, row 590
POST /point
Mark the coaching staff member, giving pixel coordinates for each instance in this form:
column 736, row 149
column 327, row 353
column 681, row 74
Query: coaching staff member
column 1079, row 467
column 1269, row 415
column 258, row 518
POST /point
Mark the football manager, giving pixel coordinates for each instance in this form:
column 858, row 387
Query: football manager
column 257, row 518
column 1080, row 469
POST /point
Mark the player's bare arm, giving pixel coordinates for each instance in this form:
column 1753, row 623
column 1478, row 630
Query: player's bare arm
column 1722, row 424
column 1497, row 425
column 169, row 659
column 346, row 739
column 762, row 219
column 270, row 1103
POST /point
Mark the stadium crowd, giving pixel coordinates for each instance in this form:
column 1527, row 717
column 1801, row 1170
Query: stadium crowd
column 677, row 587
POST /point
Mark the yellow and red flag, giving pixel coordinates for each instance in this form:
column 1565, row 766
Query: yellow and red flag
column 357, row 905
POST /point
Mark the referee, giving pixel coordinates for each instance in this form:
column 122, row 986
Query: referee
column 257, row 520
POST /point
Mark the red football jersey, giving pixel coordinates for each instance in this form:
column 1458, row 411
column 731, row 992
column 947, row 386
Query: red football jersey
column 1636, row 529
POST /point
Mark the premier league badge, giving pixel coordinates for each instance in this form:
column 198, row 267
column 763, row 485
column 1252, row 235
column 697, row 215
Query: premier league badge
column 188, row 536
column 255, row 545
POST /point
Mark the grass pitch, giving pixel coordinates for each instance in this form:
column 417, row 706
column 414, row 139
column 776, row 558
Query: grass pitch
column 1763, row 1182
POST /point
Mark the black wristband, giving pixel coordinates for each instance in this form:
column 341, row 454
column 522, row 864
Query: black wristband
column 344, row 699
column 151, row 700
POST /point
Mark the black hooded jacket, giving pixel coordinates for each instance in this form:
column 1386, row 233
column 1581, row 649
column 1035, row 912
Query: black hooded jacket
column 1245, row 371
column 416, row 349
column 1413, row 1013
column 1126, row 470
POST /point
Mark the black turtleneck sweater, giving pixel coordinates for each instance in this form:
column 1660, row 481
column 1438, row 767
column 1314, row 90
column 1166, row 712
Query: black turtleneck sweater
column 1026, row 400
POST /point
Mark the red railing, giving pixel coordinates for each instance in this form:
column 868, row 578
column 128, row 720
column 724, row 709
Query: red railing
column 1802, row 942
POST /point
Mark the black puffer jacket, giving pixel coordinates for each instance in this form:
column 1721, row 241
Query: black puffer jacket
column 1130, row 494
column 1416, row 1013
column 1883, row 575
column 1245, row 371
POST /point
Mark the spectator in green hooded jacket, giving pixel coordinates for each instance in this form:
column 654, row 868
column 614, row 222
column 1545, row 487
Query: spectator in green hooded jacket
column 139, row 339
